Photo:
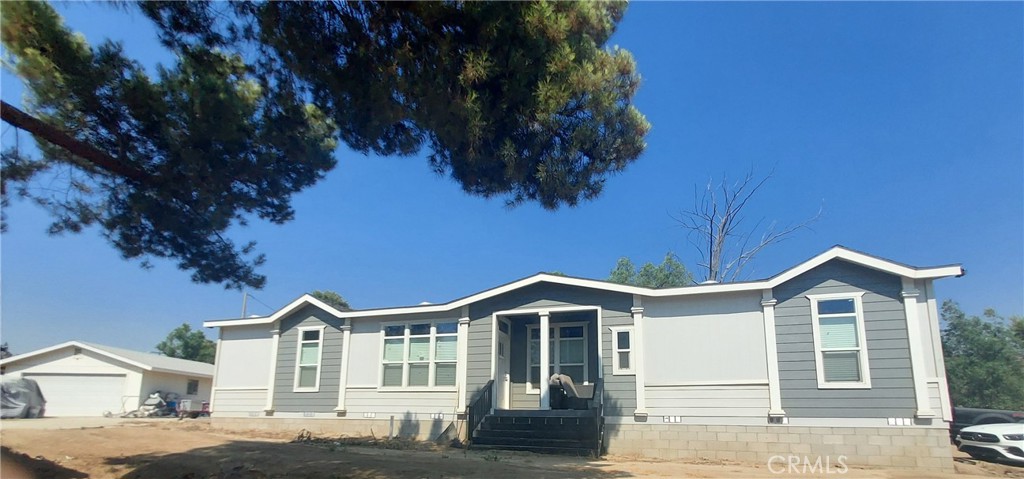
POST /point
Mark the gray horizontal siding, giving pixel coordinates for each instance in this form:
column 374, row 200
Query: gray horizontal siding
column 520, row 399
column 708, row 401
column 409, row 405
column 240, row 402
column 619, row 391
column 478, row 360
column 892, row 391
column 326, row 399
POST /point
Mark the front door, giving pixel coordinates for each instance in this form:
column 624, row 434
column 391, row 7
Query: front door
column 502, row 374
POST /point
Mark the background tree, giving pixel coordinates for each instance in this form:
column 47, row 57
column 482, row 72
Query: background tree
column 716, row 228
column 331, row 298
column 512, row 99
column 984, row 359
column 5, row 351
column 669, row 274
column 184, row 343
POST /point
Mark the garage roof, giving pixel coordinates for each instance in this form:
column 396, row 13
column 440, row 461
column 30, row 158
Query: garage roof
column 146, row 361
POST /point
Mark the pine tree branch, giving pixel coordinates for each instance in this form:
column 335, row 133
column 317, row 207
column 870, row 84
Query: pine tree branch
column 60, row 138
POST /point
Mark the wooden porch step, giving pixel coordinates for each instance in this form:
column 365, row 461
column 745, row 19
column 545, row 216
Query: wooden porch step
column 544, row 413
column 526, row 422
column 551, row 433
column 543, row 446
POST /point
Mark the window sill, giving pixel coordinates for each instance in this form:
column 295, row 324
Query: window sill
column 626, row 372
column 306, row 390
column 864, row 385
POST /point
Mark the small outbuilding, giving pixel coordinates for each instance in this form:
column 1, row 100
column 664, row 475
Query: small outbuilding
column 85, row 379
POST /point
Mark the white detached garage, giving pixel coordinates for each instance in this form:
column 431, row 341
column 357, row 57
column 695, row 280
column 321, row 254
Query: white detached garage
column 85, row 379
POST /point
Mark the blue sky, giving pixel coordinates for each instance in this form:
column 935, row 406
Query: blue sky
column 903, row 121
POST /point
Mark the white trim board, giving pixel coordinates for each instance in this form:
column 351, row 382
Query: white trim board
column 836, row 252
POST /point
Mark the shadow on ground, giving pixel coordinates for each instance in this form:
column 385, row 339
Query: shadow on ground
column 15, row 465
column 258, row 460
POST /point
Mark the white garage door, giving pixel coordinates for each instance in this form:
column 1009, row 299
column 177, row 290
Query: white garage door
column 80, row 394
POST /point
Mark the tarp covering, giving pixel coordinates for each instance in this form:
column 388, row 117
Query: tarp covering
column 21, row 398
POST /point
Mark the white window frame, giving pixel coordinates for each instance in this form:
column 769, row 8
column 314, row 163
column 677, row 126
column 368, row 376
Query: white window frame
column 616, row 369
column 554, row 355
column 319, row 358
column 432, row 361
column 862, row 341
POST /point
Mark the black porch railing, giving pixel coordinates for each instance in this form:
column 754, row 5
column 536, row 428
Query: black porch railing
column 597, row 406
column 480, row 407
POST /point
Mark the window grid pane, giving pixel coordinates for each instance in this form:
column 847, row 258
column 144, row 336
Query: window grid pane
column 392, row 375
column 838, row 332
column 570, row 351
column 841, row 366
column 307, row 376
column 622, row 339
column 444, row 374
column 447, row 328
column 445, row 348
column 836, row 306
column 419, row 349
column 624, row 360
column 394, row 349
column 309, row 353
column 419, row 374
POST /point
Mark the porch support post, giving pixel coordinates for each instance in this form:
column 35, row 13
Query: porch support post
column 268, row 408
column 461, row 366
column 910, row 294
column 346, row 340
column 545, row 360
column 771, row 348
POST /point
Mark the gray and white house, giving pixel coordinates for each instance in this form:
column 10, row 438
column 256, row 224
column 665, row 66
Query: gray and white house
column 837, row 356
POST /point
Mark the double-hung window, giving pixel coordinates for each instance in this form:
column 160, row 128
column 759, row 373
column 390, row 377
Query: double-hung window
column 622, row 350
column 307, row 361
column 841, row 355
column 419, row 354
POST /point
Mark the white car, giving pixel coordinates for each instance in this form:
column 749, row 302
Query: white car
column 994, row 441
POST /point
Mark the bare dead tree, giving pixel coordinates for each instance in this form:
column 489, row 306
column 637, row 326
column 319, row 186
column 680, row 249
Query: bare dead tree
column 716, row 227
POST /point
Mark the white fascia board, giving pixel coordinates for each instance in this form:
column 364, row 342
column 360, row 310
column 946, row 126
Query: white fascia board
column 432, row 308
column 182, row 372
column 291, row 307
column 40, row 352
column 836, row 252
column 873, row 262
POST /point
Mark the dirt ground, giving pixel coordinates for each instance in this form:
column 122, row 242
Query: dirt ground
column 192, row 449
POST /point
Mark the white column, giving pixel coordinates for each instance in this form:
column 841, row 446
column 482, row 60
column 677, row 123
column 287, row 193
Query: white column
column 638, row 358
column 910, row 294
column 545, row 360
column 269, row 407
column 771, row 348
column 940, row 362
column 461, row 366
column 346, row 340
column 216, row 368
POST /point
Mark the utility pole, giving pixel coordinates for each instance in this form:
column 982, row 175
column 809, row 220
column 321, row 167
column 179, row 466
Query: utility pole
column 245, row 297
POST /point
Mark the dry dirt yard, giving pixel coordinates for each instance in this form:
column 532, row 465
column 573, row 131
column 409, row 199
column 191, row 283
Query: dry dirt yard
column 192, row 449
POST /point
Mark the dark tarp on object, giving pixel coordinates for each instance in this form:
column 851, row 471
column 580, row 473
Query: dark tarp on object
column 21, row 398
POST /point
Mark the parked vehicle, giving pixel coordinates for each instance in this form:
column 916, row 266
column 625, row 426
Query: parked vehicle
column 21, row 398
column 970, row 416
column 1003, row 441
